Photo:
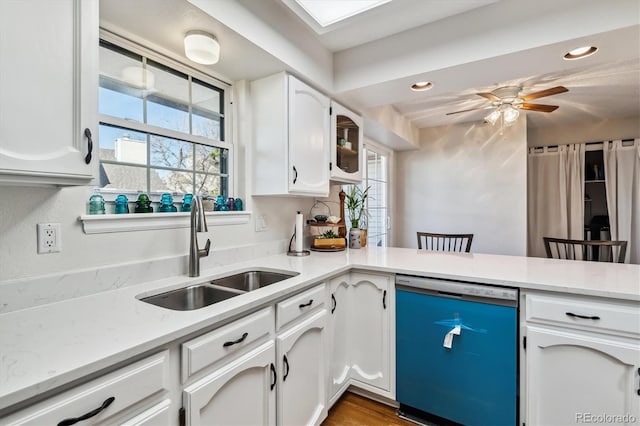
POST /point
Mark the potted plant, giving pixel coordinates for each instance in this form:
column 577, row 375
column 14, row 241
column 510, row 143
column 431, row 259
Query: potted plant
column 355, row 202
column 329, row 240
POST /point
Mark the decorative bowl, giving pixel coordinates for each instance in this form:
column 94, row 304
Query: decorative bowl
column 320, row 218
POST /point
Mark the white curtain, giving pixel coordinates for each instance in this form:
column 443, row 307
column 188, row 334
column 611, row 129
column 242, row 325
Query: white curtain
column 555, row 195
column 622, row 176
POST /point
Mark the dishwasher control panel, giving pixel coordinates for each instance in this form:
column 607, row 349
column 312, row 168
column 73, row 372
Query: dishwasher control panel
column 458, row 287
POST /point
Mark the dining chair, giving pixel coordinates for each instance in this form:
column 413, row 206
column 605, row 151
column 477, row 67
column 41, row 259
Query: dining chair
column 591, row 250
column 445, row 242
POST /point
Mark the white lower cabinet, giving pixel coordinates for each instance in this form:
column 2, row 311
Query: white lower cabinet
column 361, row 334
column 240, row 393
column 301, row 378
column 339, row 344
column 572, row 377
column 582, row 361
column 117, row 398
column 252, row 378
column 284, row 364
column 371, row 331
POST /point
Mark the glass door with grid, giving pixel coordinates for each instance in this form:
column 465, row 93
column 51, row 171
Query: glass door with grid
column 377, row 178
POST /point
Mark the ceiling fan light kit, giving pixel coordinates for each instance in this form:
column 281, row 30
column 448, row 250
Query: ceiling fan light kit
column 507, row 102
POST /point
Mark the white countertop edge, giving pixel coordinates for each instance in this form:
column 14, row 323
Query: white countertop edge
column 188, row 322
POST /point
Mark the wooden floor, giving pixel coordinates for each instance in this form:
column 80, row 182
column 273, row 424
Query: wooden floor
column 354, row 410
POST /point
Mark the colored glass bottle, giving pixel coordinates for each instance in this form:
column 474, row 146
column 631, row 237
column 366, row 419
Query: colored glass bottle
column 221, row 204
column 238, row 204
column 122, row 204
column 96, row 204
column 186, row 203
column 166, row 204
column 143, row 204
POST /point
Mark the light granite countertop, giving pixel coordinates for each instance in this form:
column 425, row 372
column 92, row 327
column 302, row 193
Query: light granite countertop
column 48, row 346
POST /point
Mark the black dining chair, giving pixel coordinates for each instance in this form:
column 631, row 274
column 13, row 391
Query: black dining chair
column 591, row 250
column 445, row 242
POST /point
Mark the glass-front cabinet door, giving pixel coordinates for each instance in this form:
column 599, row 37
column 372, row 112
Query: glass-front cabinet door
column 347, row 148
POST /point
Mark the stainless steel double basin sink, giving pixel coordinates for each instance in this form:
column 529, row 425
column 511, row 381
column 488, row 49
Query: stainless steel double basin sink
column 205, row 294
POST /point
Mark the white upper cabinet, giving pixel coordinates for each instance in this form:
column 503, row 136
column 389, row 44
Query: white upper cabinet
column 346, row 145
column 48, row 91
column 291, row 128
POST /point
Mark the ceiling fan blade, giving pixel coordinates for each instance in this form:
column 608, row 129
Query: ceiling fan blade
column 472, row 109
column 490, row 96
column 543, row 93
column 539, row 107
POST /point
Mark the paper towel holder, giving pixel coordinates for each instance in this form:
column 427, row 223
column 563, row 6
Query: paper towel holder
column 293, row 252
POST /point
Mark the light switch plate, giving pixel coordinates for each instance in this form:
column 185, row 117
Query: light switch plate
column 261, row 223
column 49, row 238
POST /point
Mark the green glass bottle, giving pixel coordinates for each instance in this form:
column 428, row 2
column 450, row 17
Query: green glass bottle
column 143, row 205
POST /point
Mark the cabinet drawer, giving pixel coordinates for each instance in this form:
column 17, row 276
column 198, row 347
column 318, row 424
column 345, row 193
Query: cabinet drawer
column 609, row 316
column 128, row 386
column 296, row 306
column 209, row 348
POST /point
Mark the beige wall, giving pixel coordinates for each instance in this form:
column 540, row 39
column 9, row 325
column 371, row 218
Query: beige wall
column 465, row 178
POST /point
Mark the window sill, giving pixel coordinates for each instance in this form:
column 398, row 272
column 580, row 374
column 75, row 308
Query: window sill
column 105, row 223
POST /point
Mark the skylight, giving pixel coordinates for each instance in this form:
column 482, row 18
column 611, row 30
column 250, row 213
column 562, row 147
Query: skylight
column 327, row 12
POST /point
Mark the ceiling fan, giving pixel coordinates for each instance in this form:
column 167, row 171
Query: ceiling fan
column 507, row 100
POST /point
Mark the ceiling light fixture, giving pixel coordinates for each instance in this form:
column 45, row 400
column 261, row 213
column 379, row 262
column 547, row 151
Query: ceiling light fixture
column 201, row 47
column 580, row 52
column 421, row 86
column 507, row 112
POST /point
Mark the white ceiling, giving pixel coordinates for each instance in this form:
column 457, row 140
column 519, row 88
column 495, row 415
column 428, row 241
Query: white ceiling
column 390, row 18
column 463, row 46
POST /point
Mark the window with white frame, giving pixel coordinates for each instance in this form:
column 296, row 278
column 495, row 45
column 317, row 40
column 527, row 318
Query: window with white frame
column 162, row 129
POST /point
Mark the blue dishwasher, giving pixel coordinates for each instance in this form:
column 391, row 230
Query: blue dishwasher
column 456, row 346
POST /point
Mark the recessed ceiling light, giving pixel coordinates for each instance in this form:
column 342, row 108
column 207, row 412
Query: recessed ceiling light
column 327, row 12
column 421, row 86
column 581, row 52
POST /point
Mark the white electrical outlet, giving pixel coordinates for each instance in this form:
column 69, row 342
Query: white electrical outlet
column 261, row 223
column 49, row 238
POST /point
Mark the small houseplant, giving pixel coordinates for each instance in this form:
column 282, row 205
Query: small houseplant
column 329, row 240
column 356, row 203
